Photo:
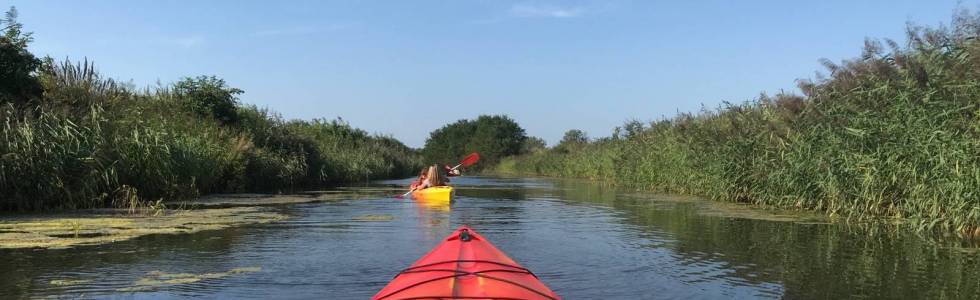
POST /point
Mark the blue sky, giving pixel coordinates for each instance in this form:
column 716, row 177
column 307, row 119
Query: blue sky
column 405, row 68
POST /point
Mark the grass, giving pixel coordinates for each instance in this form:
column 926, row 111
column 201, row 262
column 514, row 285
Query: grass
column 91, row 142
column 892, row 134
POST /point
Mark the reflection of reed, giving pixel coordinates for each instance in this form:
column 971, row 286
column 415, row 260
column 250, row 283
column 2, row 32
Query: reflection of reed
column 807, row 256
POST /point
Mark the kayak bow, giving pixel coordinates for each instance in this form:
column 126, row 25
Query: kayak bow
column 465, row 266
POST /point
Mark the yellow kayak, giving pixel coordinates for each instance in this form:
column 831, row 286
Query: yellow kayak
column 436, row 193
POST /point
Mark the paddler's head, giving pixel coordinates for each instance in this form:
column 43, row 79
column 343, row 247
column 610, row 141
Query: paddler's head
column 433, row 175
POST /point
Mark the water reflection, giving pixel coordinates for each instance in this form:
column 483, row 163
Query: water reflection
column 433, row 205
column 797, row 259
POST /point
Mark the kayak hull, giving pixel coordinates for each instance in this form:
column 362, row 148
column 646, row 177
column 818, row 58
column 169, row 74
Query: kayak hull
column 434, row 194
column 465, row 266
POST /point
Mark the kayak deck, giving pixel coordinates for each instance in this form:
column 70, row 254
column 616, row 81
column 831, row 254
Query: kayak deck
column 465, row 266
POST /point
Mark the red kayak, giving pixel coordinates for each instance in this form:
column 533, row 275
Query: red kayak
column 465, row 266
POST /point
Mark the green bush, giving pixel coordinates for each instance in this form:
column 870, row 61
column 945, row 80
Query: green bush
column 208, row 96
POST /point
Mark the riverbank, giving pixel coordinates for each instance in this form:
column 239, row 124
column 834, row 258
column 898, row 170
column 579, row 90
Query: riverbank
column 74, row 139
column 148, row 148
column 894, row 134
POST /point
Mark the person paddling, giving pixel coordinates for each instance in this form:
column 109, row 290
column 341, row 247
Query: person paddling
column 439, row 176
column 429, row 177
column 450, row 172
column 418, row 181
column 433, row 178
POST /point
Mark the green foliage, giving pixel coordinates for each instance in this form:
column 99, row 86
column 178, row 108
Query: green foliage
column 351, row 154
column 209, row 96
column 493, row 137
column 446, row 144
column 74, row 87
column 572, row 140
column 150, row 144
column 533, row 144
column 13, row 31
column 90, row 142
column 892, row 134
column 17, row 65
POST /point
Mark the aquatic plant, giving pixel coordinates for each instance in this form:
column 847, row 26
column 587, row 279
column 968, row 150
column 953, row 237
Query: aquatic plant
column 58, row 232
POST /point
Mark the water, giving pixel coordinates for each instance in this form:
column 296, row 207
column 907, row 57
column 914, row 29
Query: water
column 584, row 241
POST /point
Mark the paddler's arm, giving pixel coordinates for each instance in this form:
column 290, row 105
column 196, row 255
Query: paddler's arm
column 450, row 172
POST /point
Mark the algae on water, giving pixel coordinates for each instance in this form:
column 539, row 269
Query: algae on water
column 249, row 200
column 69, row 282
column 157, row 279
column 66, row 232
column 374, row 218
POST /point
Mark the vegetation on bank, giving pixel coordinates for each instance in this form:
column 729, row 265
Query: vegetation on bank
column 494, row 137
column 70, row 138
column 894, row 133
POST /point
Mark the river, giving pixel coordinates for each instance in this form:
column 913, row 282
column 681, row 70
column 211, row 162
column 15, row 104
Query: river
column 584, row 241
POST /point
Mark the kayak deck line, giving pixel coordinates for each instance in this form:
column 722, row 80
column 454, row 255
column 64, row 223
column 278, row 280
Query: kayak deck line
column 458, row 273
column 464, row 236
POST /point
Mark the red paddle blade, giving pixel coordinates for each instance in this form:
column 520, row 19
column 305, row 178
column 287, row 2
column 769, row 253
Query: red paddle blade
column 469, row 160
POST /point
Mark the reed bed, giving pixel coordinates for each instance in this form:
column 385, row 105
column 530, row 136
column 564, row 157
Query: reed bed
column 893, row 134
column 91, row 142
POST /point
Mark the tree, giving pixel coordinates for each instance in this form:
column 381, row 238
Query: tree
column 17, row 65
column 496, row 137
column 492, row 136
column 449, row 142
column 209, row 96
column 633, row 128
column 574, row 136
column 573, row 139
column 533, row 144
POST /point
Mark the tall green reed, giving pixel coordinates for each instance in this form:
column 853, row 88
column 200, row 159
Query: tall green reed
column 90, row 142
column 892, row 134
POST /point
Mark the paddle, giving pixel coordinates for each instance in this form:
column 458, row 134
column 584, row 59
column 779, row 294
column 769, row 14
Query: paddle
column 467, row 161
column 405, row 194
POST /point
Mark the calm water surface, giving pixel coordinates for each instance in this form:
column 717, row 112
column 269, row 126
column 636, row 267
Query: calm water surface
column 582, row 240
